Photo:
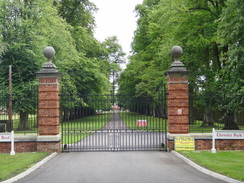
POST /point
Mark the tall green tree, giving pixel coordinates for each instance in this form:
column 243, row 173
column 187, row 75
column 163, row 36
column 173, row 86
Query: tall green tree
column 146, row 66
column 16, row 35
column 230, row 35
column 89, row 72
column 115, row 57
column 26, row 28
column 78, row 13
column 202, row 28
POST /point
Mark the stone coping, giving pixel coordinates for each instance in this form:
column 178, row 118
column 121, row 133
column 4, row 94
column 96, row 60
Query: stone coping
column 195, row 135
column 35, row 138
column 49, row 138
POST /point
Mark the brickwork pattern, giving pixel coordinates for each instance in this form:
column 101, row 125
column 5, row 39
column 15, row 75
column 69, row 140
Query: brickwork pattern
column 19, row 147
column 178, row 104
column 48, row 129
column 170, row 145
column 220, row 144
column 48, row 80
column 48, row 106
column 48, row 147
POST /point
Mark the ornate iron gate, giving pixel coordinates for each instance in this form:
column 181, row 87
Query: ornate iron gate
column 112, row 123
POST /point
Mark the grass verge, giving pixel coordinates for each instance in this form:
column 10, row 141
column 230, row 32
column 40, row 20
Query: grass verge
column 229, row 163
column 13, row 165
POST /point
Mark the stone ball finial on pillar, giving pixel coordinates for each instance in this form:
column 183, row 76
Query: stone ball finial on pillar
column 176, row 52
column 48, row 66
column 49, row 52
column 177, row 65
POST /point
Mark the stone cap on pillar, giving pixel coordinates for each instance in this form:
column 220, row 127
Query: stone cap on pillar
column 48, row 68
column 177, row 67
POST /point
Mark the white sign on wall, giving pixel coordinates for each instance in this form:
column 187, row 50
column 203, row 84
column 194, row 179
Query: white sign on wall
column 5, row 137
column 225, row 134
column 228, row 134
column 8, row 137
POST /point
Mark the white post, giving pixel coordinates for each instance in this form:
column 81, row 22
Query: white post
column 12, row 144
column 213, row 141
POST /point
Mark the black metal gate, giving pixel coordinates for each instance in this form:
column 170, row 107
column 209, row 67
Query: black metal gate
column 112, row 123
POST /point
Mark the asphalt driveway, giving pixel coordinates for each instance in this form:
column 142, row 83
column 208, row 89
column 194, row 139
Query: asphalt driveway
column 117, row 167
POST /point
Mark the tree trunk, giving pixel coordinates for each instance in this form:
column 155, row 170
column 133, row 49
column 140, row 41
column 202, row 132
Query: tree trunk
column 208, row 117
column 65, row 114
column 230, row 122
column 23, row 125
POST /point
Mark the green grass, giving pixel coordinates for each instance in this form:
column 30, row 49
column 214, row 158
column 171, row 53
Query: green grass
column 13, row 165
column 32, row 123
column 70, row 138
column 197, row 127
column 229, row 163
column 74, row 131
column 153, row 123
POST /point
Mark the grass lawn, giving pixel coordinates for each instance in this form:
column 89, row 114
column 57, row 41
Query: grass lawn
column 229, row 163
column 197, row 127
column 74, row 131
column 32, row 123
column 153, row 123
column 13, row 165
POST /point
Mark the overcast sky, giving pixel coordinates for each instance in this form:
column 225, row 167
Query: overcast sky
column 116, row 18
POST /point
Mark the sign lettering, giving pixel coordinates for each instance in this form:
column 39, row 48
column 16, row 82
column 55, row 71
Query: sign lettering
column 5, row 137
column 225, row 134
column 228, row 134
column 184, row 144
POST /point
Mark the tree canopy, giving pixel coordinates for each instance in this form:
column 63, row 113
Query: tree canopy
column 211, row 35
column 28, row 26
column 209, row 31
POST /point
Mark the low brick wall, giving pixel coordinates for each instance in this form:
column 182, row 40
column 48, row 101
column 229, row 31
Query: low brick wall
column 19, row 147
column 22, row 143
column 203, row 141
column 220, row 144
column 32, row 143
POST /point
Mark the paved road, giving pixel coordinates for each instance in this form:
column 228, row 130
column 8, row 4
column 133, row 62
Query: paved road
column 117, row 167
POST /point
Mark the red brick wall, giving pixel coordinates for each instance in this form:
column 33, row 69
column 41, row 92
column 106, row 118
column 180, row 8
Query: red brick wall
column 48, row 107
column 170, row 145
column 48, row 147
column 178, row 104
column 19, row 147
column 220, row 144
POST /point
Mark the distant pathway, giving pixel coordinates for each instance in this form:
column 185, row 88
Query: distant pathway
column 115, row 123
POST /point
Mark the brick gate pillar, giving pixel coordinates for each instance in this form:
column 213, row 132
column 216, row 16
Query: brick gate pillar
column 48, row 105
column 177, row 77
